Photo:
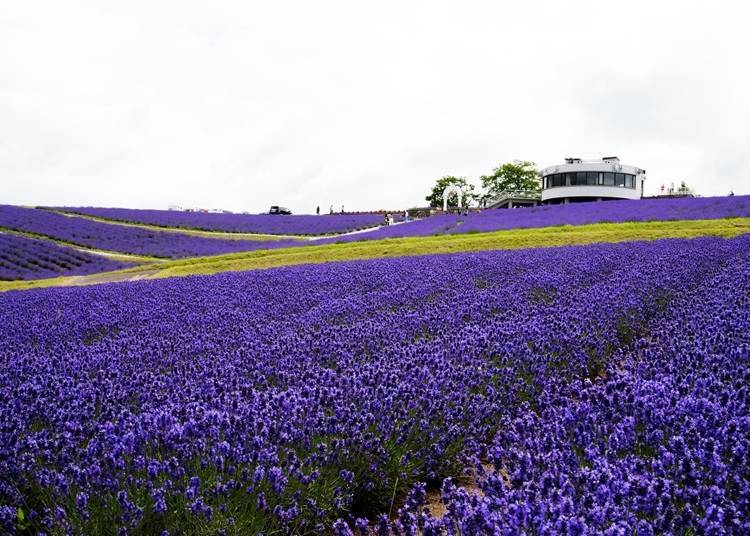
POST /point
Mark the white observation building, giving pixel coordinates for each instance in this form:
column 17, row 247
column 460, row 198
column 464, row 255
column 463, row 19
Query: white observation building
column 591, row 180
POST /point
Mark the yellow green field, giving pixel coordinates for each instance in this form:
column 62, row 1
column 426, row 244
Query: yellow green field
column 511, row 239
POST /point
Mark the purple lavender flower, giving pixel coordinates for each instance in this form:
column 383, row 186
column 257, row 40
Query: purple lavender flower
column 30, row 258
column 121, row 238
column 241, row 223
column 598, row 389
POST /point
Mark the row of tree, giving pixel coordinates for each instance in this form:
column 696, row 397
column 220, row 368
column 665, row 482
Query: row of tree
column 519, row 175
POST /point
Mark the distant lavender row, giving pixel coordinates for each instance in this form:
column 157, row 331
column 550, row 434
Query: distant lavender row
column 321, row 399
column 237, row 223
column 111, row 236
column 121, row 238
column 572, row 214
column 28, row 258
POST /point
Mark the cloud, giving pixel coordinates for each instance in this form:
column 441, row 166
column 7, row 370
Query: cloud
column 242, row 105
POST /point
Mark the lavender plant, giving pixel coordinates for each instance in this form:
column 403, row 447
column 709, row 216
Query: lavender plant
column 121, row 238
column 28, row 258
column 604, row 387
column 238, row 223
column 572, row 214
column 657, row 443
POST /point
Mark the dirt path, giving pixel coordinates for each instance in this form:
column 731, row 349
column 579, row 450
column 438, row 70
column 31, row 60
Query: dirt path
column 358, row 231
column 108, row 277
column 126, row 257
column 470, row 482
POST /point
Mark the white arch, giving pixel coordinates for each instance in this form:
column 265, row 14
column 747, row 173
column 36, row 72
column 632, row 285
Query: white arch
column 449, row 191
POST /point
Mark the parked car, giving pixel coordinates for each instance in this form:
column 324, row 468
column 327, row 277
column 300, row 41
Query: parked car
column 279, row 210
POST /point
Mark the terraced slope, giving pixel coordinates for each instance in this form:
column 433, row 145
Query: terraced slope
column 701, row 208
column 410, row 246
column 121, row 238
column 237, row 223
column 23, row 258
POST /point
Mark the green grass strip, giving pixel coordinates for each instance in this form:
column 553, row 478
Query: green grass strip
column 114, row 255
column 224, row 235
column 398, row 247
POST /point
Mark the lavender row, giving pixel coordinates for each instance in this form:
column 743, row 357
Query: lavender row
column 316, row 398
column 28, row 258
column 571, row 214
column 122, row 238
column 238, row 223
column 657, row 442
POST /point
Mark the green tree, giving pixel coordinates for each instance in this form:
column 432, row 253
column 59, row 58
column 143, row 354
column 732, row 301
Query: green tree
column 436, row 196
column 512, row 176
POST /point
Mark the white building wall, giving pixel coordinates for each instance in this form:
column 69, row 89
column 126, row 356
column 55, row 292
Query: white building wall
column 594, row 191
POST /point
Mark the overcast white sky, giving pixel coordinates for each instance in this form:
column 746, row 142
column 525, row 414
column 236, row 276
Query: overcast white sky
column 242, row 104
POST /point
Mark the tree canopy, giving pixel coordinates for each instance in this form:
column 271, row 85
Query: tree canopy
column 436, row 196
column 512, row 176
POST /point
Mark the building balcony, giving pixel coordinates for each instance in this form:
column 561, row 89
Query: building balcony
column 592, row 192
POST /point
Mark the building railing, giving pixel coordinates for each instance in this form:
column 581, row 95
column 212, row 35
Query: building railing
column 510, row 197
column 514, row 194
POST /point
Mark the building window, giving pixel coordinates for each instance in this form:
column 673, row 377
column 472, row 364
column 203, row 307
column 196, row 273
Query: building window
column 590, row 178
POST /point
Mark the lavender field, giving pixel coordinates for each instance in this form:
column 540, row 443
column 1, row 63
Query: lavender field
column 238, row 223
column 572, row 214
column 121, row 238
column 597, row 389
column 28, row 258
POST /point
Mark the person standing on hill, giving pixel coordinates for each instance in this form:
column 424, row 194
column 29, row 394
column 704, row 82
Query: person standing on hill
column 317, row 210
